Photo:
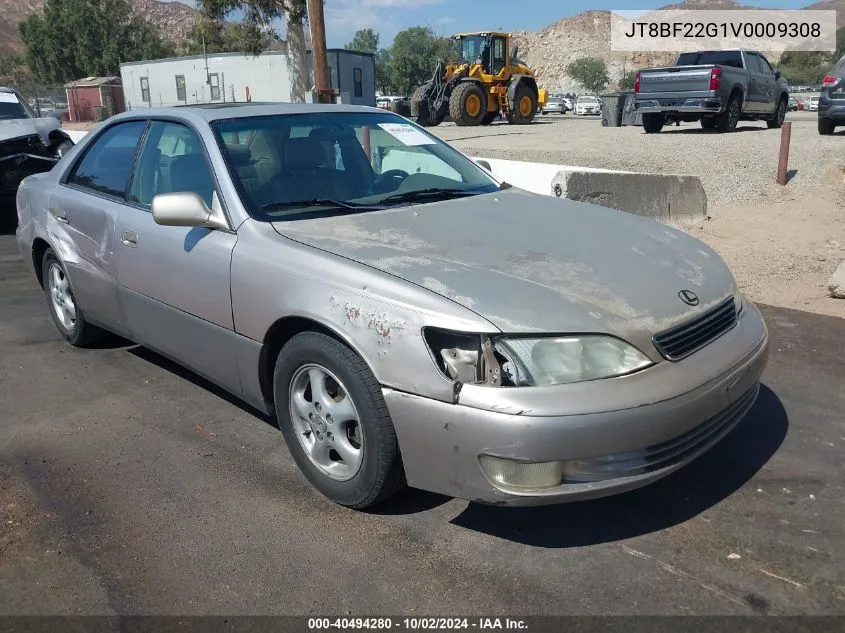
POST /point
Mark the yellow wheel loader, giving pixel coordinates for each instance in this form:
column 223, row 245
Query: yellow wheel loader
column 485, row 81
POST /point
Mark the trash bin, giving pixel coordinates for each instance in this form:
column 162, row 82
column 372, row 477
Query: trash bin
column 612, row 105
column 630, row 115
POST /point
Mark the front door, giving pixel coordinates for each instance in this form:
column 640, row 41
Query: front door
column 174, row 281
column 756, row 84
column 85, row 209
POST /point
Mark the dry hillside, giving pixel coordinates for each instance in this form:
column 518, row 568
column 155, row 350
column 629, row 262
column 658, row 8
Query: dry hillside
column 174, row 20
column 550, row 50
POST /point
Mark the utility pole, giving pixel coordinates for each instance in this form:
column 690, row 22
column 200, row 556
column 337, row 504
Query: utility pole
column 325, row 94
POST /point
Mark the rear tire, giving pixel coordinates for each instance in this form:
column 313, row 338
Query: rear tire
column 780, row 114
column 365, row 468
column 826, row 126
column 727, row 120
column 468, row 104
column 524, row 106
column 67, row 314
column 653, row 123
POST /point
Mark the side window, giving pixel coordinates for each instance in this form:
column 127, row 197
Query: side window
column 171, row 161
column 145, row 89
column 765, row 66
column 753, row 63
column 181, row 92
column 107, row 164
column 359, row 84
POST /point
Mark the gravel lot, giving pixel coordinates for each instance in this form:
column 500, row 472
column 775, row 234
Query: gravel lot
column 738, row 167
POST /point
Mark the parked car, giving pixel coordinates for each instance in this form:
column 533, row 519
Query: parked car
column 792, row 106
column 555, row 104
column 405, row 316
column 717, row 88
column 28, row 145
column 831, row 101
column 587, row 104
column 812, row 104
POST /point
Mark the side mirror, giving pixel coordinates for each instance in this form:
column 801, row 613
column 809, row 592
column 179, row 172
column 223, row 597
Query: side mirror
column 778, row 74
column 187, row 208
column 515, row 52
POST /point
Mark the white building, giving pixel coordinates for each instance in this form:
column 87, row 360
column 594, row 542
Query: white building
column 228, row 77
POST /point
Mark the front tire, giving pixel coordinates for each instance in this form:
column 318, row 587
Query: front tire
column 420, row 112
column 468, row 104
column 67, row 314
column 524, row 106
column 335, row 422
column 653, row 123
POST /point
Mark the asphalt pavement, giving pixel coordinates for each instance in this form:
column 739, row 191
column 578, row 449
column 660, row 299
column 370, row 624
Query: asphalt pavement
column 129, row 485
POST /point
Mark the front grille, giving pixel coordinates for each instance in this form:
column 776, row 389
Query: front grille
column 684, row 339
column 664, row 454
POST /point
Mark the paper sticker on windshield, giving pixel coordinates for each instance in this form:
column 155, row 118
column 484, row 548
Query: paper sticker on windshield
column 407, row 134
column 8, row 97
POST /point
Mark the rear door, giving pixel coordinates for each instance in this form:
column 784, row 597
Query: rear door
column 174, row 281
column 85, row 208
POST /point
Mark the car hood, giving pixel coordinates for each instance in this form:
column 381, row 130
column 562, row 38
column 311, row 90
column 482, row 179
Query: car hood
column 22, row 128
column 531, row 263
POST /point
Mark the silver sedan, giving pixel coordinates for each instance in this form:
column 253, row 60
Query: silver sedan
column 405, row 316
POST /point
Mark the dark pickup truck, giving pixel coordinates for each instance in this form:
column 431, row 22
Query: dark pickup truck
column 718, row 88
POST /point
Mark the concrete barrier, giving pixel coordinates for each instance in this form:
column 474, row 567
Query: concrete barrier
column 667, row 198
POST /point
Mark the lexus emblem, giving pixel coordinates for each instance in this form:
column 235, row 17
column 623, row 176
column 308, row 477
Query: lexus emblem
column 688, row 297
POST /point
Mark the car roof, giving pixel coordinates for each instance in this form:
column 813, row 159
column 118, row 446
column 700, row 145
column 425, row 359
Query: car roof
column 218, row 111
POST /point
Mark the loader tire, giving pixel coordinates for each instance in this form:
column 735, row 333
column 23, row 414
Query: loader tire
column 524, row 106
column 420, row 112
column 468, row 104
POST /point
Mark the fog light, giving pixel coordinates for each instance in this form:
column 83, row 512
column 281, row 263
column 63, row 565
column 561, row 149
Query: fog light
column 510, row 473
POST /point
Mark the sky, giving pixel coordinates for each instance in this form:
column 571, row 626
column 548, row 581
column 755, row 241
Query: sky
column 388, row 17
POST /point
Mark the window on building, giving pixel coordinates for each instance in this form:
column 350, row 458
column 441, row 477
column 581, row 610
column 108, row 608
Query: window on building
column 181, row 91
column 359, row 83
column 214, row 83
column 107, row 164
column 145, row 89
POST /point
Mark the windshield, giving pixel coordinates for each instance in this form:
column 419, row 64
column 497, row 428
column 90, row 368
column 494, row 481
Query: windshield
column 293, row 166
column 12, row 108
column 587, row 99
column 472, row 48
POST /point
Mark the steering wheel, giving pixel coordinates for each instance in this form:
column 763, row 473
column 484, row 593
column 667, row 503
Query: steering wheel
column 397, row 175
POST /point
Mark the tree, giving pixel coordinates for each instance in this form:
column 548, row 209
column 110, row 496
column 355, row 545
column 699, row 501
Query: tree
column 627, row 80
column 364, row 41
column 416, row 52
column 384, row 71
column 80, row 38
column 590, row 72
column 256, row 30
column 212, row 36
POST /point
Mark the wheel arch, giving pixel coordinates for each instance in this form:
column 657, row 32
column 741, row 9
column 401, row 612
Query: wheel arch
column 39, row 249
column 279, row 333
column 516, row 81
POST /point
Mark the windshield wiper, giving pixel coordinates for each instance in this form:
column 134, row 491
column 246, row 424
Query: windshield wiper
column 316, row 202
column 432, row 193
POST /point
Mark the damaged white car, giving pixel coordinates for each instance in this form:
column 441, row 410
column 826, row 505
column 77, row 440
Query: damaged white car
column 28, row 145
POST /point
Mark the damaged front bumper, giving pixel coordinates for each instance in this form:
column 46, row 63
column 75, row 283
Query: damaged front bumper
column 20, row 158
column 586, row 440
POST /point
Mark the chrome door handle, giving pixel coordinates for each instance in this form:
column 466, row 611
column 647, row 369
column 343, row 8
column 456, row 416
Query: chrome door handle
column 60, row 215
column 127, row 238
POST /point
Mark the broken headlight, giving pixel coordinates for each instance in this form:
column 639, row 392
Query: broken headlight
column 531, row 361
column 564, row 359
